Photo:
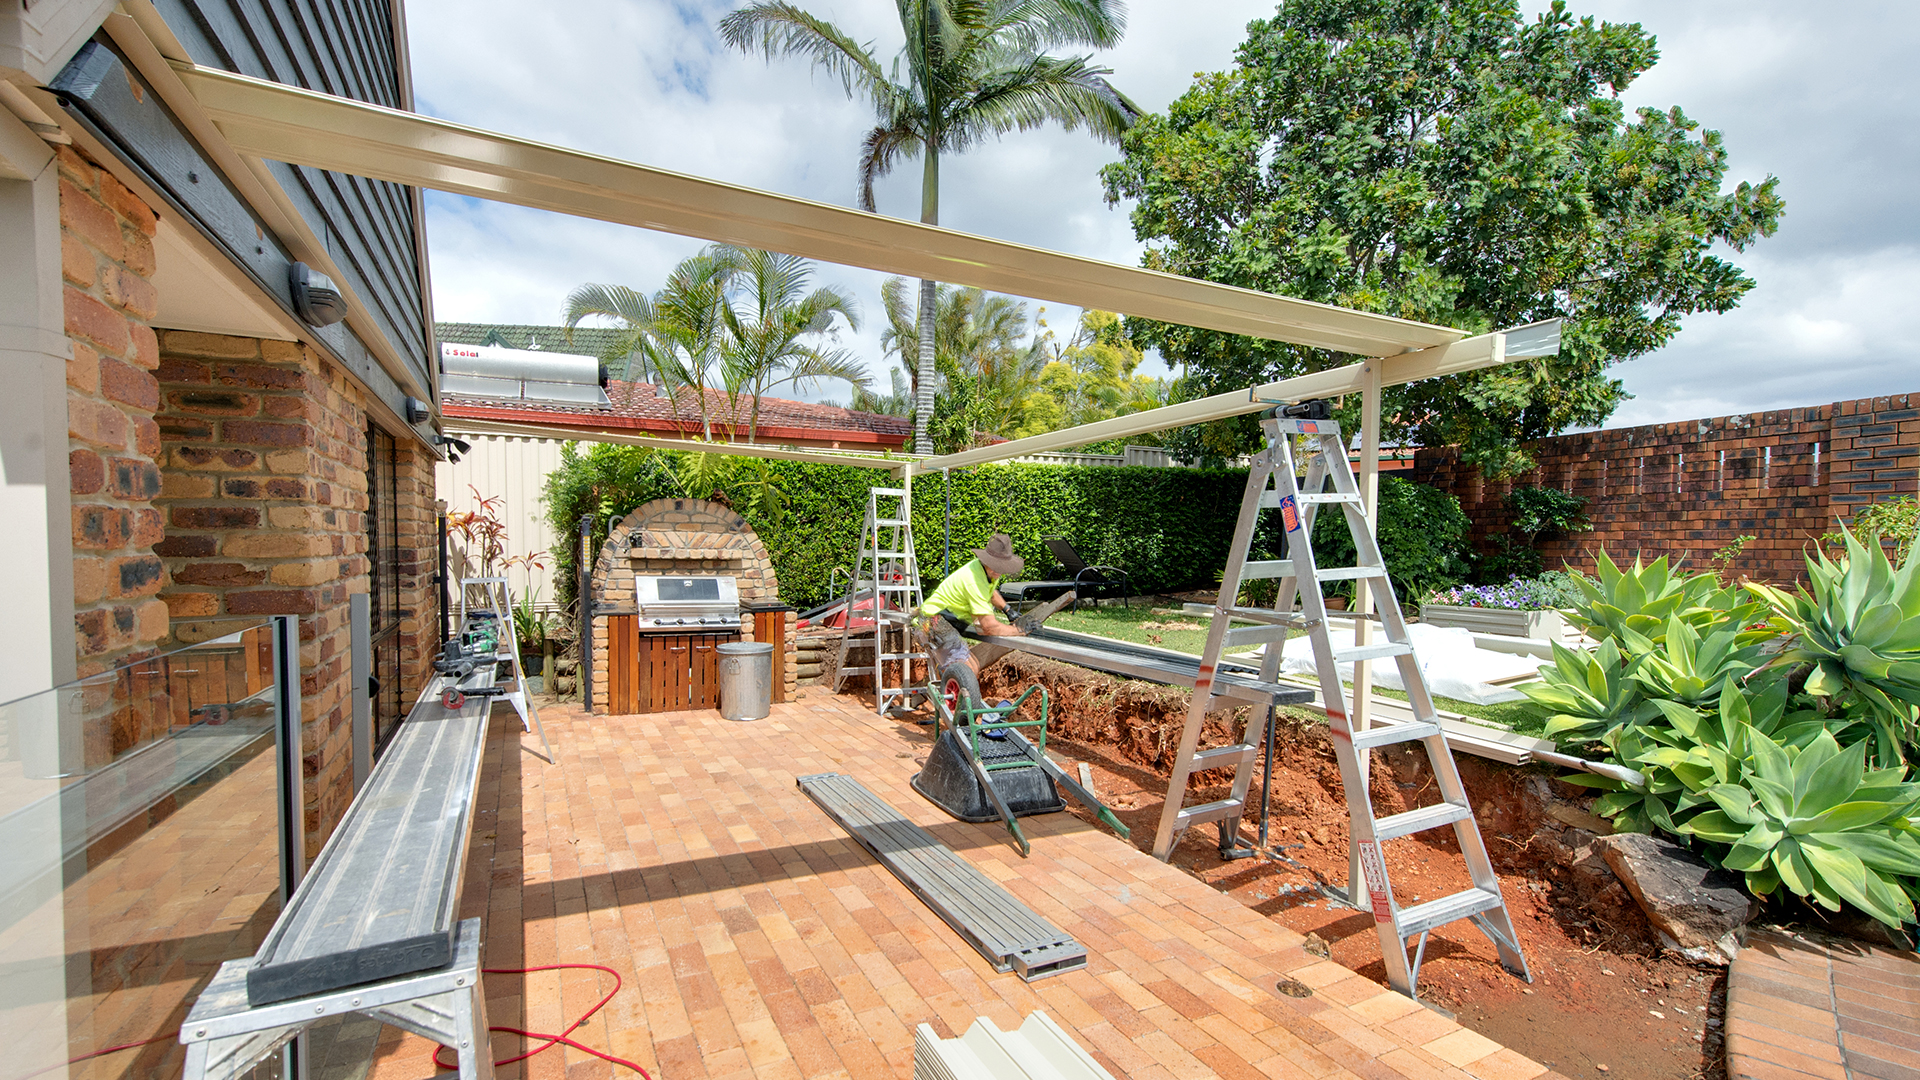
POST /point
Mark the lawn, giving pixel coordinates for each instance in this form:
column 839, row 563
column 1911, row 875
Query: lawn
column 1147, row 623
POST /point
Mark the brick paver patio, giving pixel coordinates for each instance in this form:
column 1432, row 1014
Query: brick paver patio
column 1799, row 1008
column 758, row 940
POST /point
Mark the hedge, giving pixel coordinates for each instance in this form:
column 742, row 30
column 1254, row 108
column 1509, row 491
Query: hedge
column 1168, row 528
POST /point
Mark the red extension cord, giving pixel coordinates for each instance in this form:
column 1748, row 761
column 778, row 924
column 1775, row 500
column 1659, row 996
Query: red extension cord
column 560, row 1039
column 552, row 1040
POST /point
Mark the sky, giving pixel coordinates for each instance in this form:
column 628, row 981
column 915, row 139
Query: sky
column 1824, row 96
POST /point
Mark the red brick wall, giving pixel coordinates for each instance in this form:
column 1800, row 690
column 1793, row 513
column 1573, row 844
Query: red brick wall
column 265, row 492
column 107, row 260
column 1690, row 488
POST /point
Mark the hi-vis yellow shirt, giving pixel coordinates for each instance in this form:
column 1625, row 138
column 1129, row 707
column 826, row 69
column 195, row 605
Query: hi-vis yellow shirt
column 966, row 593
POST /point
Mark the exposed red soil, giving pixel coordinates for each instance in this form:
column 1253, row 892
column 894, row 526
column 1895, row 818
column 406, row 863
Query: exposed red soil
column 1605, row 1000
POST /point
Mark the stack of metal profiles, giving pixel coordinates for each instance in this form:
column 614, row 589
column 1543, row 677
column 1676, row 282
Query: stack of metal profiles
column 1038, row 1049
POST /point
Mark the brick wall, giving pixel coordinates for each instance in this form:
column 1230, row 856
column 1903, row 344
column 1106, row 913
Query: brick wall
column 419, row 523
column 107, row 260
column 264, row 486
column 1691, row 488
column 677, row 536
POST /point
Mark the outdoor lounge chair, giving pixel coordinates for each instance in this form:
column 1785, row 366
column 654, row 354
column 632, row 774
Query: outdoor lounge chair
column 1089, row 582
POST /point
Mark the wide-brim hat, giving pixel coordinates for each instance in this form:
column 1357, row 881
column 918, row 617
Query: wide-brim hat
column 998, row 556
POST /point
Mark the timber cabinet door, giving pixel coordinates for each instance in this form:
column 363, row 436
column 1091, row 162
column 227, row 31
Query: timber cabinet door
column 679, row 671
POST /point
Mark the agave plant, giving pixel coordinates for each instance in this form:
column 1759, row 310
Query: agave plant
column 1815, row 820
column 1645, row 599
column 1858, row 624
column 1689, row 666
column 1593, row 694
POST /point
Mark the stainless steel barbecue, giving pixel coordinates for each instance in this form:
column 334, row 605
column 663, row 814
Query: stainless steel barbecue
column 675, row 604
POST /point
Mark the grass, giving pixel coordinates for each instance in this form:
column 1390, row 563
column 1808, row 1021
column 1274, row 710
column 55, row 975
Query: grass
column 1148, row 622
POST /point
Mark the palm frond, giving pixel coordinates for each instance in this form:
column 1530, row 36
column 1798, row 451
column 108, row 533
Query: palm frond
column 879, row 152
column 1037, row 90
column 778, row 29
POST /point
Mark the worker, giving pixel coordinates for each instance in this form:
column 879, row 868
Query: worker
column 969, row 595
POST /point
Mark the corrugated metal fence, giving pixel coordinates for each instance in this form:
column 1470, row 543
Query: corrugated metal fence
column 514, row 470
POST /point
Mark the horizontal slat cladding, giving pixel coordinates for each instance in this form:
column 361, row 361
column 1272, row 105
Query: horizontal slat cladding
column 383, row 898
column 344, row 48
column 1012, row 936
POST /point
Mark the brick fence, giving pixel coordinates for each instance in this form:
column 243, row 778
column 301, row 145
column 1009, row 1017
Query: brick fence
column 1689, row 489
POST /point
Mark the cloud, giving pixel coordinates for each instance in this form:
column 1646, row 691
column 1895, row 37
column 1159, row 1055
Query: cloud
column 1820, row 95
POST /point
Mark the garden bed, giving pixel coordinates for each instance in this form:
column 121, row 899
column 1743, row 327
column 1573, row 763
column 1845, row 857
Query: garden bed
column 1604, row 993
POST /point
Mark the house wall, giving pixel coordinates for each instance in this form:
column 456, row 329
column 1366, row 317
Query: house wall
column 1689, row 489
column 264, row 474
column 107, row 264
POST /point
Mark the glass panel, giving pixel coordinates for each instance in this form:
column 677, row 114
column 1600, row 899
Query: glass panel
column 139, row 848
column 689, row 589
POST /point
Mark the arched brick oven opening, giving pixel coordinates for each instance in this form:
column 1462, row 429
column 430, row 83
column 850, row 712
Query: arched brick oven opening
column 684, row 537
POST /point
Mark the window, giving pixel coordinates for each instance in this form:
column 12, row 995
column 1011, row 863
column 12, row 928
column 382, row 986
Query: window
column 383, row 552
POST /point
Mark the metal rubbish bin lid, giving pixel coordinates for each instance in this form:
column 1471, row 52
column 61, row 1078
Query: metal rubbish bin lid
column 746, row 679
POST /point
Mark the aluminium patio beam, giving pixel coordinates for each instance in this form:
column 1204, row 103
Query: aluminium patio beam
column 301, row 127
column 460, row 426
column 1485, row 350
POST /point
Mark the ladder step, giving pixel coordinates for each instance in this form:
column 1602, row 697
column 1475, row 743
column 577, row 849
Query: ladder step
column 1393, row 734
column 893, row 522
column 899, row 493
column 1265, row 569
column 1244, row 635
column 903, row 656
column 1205, row 812
column 1349, row 573
column 1331, row 497
column 1372, row 652
column 1413, row 821
column 1263, row 615
column 1420, row 918
column 1203, row 759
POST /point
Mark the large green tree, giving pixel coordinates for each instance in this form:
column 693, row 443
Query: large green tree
column 1448, row 161
column 969, row 69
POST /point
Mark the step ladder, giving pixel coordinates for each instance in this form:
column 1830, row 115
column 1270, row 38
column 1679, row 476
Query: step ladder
column 887, row 575
column 1273, row 485
column 491, row 598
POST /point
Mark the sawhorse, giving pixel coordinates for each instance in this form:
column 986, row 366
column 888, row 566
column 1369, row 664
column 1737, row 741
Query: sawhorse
column 225, row 1036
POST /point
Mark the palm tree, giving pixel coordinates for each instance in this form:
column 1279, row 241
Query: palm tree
column 974, row 68
column 677, row 335
column 979, row 337
column 769, row 312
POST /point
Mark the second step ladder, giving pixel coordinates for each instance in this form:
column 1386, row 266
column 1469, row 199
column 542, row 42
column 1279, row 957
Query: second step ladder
column 1273, row 485
column 886, row 578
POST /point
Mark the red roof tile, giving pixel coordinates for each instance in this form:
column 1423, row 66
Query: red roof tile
column 646, row 407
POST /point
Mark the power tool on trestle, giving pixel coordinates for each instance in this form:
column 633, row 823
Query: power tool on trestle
column 458, row 662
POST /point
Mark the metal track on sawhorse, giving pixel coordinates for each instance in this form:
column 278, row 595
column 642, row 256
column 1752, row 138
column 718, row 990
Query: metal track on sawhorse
column 383, row 898
column 1007, row 932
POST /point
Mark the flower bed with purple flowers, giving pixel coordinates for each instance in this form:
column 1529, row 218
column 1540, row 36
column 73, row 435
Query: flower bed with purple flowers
column 1554, row 589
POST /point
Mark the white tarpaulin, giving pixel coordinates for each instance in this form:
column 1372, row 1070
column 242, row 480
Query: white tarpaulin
column 1453, row 666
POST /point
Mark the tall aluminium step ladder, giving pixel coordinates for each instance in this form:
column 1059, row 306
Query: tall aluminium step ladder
column 1272, row 484
column 887, row 575
column 490, row 597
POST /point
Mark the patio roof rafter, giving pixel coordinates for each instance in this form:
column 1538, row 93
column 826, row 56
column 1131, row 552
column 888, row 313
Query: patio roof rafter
column 284, row 123
column 462, row 426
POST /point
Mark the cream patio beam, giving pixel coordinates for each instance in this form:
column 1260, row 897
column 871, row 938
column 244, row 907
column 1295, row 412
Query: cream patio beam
column 1486, row 350
column 317, row 130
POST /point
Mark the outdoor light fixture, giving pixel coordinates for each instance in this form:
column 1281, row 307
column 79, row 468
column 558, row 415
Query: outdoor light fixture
column 316, row 299
column 455, row 446
column 418, row 412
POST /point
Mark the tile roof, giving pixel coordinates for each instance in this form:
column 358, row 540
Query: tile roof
column 645, row 406
column 640, row 406
column 597, row 341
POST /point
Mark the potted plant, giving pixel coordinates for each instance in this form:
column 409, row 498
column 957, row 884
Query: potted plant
column 1520, row 607
column 531, row 628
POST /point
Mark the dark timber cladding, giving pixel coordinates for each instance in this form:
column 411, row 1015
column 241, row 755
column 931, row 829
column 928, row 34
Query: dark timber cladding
column 345, row 48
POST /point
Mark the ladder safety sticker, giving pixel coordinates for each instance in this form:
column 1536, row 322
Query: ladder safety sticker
column 1375, row 871
column 1290, row 514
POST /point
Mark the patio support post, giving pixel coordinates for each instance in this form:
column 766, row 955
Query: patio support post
column 584, row 639
column 1369, row 505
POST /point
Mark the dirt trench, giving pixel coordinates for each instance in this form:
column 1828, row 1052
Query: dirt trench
column 1604, row 992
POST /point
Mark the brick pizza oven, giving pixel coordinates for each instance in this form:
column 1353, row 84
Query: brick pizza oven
column 687, row 538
